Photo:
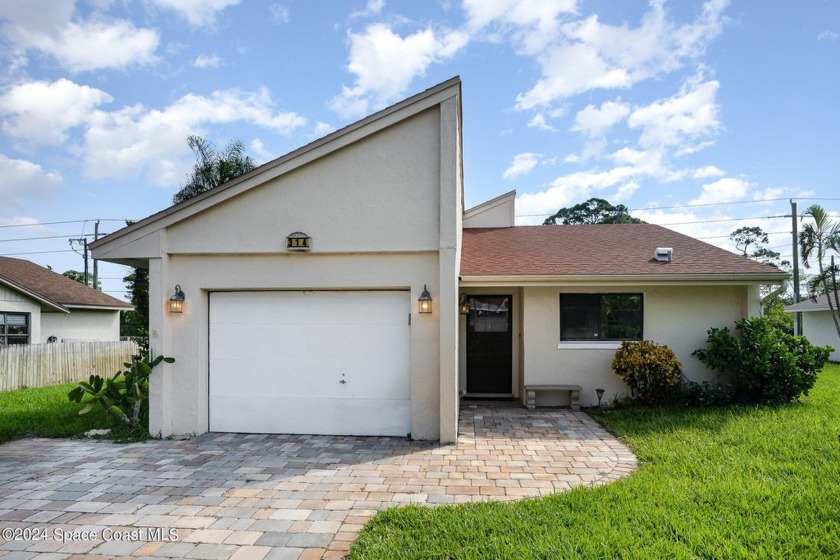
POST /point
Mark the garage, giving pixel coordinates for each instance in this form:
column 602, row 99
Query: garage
column 310, row 362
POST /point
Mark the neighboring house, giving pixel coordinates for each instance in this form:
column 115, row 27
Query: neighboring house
column 304, row 280
column 817, row 323
column 38, row 305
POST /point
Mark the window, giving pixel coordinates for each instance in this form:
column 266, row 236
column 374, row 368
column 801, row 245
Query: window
column 14, row 328
column 593, row 317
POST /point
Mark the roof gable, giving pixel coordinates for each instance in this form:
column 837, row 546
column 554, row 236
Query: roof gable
column 319, row 148
column 599, row 251
column 53, row 289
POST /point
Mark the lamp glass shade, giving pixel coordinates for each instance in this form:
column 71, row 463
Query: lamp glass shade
column 425, row 301
column 176, row 302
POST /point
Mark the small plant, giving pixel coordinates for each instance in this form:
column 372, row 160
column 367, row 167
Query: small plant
column 123, row 396
column 652, row 371
column 768, row 365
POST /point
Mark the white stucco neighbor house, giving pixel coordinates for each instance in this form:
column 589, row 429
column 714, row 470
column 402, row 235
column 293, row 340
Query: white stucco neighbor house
column 343, row 289
column 817, row 323
column 38, row 305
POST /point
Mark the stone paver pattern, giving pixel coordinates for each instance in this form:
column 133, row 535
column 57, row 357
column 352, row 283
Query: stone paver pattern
column 280, row 496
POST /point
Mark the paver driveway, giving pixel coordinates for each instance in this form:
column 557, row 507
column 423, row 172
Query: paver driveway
column 279, row 496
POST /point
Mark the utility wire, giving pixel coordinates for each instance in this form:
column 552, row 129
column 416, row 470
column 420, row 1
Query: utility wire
column 39, row 238
column 123, row 220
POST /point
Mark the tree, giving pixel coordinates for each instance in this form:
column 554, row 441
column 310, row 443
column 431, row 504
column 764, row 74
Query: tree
column 213, row 168
column 80, row 278
column 747, row 236
column 593, row 211
column 135, row 322
column 815, row 240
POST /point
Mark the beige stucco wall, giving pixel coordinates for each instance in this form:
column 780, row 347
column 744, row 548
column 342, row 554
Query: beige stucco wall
column 383, row 213
column 678, row 316
column 819, row 328
column 14, row 301
column 81, row 325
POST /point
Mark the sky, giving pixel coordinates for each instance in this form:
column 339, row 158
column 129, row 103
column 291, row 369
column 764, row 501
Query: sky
column 700, row 116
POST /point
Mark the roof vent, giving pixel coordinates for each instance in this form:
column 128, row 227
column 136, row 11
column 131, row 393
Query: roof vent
column 663, row 254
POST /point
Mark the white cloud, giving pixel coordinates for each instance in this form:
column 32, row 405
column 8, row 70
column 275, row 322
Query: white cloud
column 522, row 164
column 385, row 63
column 24, row 180
column 44, row 112
column 538, row 121
column 372, row 8
column 624, row 192
column 829, row 36
column 207, row 61
column 279, row 13
column 261, row 154
column 594, row 121
column 679, row 120
column 78, row 45
column 135, row 140
column 199, row 13
column 532, row 23
column 724, row 190
column 587, row 54
column 708, row 171
column 322, row 129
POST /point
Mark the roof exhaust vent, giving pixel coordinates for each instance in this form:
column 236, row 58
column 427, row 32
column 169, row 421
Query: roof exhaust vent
column 663, row 254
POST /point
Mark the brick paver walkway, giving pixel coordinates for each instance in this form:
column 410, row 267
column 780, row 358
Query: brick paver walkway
column 279, row 496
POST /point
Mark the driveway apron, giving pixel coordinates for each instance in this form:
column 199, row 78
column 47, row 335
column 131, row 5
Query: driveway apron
column 280, row 496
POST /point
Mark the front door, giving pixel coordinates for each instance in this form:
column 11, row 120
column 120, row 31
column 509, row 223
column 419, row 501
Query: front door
column 489, row 345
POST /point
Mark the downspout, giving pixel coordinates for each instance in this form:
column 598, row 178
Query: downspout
column 781, row 289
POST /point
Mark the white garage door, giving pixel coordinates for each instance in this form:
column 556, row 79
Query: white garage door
column 310, row 363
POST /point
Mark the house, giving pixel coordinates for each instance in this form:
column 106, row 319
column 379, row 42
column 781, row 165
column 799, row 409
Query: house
column 38, row 305
column 817, row 323
column 322, row 292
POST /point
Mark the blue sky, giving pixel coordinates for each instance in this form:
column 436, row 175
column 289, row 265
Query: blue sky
column 701, row 116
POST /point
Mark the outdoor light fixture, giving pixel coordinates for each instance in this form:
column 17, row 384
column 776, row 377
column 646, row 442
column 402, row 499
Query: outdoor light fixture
column 600, row 393
column 464, row 305
column 176, row 302
column 425, row 301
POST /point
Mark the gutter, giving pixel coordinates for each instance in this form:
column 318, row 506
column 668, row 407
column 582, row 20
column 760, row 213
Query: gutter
column 781, row 289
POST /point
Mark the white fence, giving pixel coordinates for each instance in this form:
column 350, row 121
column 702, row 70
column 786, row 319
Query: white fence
column 39, row 365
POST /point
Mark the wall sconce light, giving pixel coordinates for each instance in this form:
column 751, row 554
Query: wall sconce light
column 464, row 305
column 600, row 393
column 176, row 302
column 425, row 301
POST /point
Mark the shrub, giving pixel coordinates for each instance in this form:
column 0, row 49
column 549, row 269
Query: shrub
column 769, row 365
column 652, row 371
column 124, row 396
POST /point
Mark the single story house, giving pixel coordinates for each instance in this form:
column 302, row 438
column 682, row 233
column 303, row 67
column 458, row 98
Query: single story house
column 817, row 323
column 38, row 305
column 343, row 289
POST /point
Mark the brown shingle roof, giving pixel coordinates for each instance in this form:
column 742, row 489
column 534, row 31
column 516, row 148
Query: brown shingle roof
column 53, row 287
column 597, row 250
column 820, row 304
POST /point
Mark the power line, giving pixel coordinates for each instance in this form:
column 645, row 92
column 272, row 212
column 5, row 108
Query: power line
column 705, row 204
column 39, row 238
column 38, row 252
column 123, row 220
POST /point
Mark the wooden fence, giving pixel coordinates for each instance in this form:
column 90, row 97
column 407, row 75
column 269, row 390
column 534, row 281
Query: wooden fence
column 39, row 365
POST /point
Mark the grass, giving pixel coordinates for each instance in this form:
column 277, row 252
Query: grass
column 741, row 482
column 46, row 412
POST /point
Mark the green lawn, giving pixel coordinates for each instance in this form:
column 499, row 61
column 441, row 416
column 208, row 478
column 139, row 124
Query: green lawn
column 746, row 482
column 45, row 412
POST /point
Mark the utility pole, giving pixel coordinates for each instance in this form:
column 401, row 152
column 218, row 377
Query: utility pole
column 797, row 318
column 95, row 262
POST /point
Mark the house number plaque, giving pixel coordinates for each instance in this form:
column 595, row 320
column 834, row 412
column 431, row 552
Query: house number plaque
column 298, row 241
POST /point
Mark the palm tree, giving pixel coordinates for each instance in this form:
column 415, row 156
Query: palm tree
column 816, row 239
column 212, row 168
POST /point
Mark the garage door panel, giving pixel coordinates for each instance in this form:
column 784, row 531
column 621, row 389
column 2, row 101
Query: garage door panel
column 370, row 417
column 278, row 359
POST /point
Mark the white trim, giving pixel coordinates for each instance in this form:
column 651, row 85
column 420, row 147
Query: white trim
column 581, row 345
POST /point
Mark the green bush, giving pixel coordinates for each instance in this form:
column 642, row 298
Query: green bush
column 768, row 365
column 652, row 371
column 124, row 396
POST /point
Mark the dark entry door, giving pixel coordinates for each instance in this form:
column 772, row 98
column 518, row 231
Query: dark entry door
column 489, row 345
